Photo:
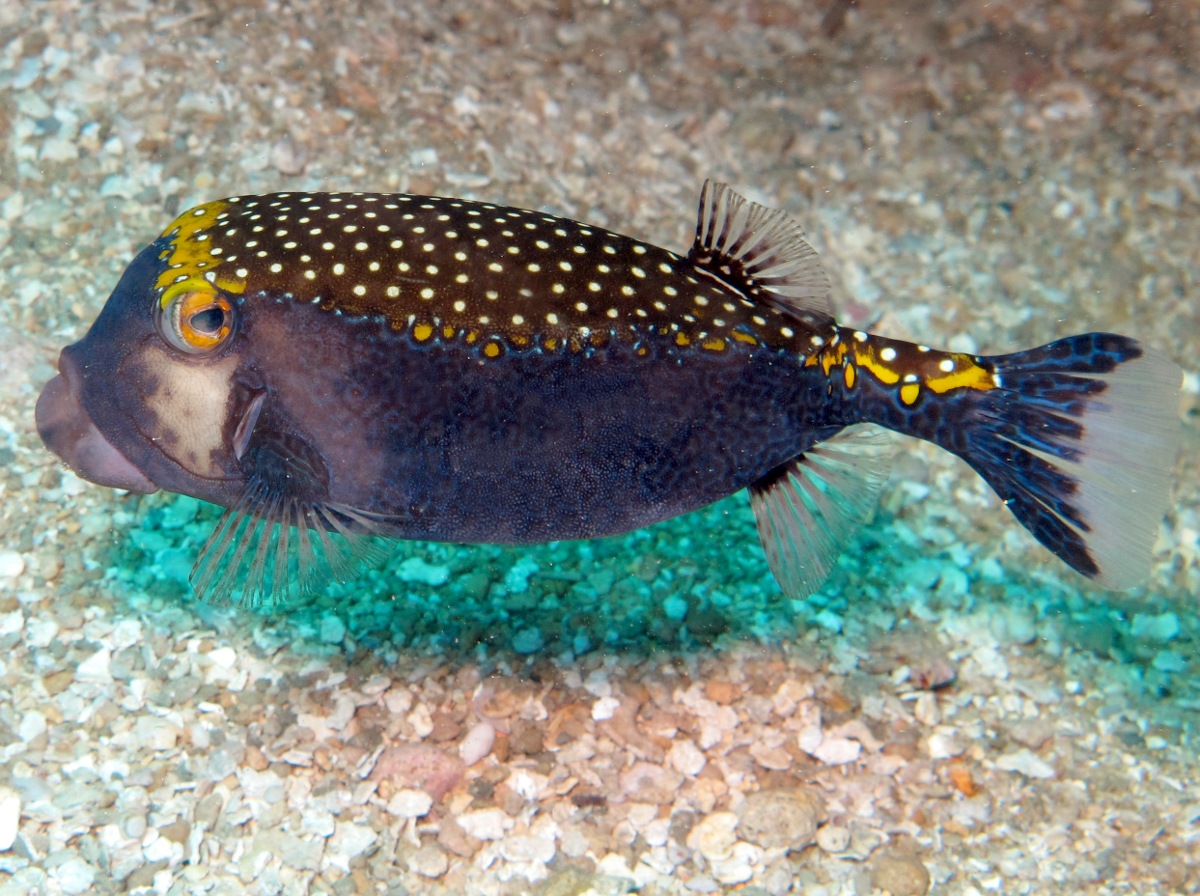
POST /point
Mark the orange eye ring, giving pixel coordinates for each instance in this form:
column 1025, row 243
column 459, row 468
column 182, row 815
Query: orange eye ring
column 196, row 322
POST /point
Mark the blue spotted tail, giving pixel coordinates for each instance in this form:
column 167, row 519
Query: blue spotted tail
column 1079, row 439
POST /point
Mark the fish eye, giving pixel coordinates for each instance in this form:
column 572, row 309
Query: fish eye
column 196, row 322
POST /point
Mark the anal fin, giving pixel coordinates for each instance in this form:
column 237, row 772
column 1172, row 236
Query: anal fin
column 808, row 508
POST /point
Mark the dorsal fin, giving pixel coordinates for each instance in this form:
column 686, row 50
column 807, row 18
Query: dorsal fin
column 760, row 252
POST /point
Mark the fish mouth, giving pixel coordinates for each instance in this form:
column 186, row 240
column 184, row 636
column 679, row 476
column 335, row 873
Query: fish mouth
column 69, row 431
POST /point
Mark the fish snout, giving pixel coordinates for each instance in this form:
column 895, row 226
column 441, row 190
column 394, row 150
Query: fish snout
column 68, row 430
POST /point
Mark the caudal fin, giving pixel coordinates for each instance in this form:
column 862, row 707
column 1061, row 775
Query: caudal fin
column 1079, row 438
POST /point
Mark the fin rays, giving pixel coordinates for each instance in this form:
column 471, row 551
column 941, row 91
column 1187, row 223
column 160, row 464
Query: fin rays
column 1080, row 442
column 256, row 558
column 761, row 251
column 807, row 509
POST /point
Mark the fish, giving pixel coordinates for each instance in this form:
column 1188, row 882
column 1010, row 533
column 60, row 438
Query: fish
column 339, row 368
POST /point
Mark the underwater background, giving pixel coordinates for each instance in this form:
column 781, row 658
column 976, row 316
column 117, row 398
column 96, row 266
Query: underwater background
column 953, row 712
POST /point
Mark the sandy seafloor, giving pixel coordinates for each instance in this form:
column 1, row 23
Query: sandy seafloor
column 983, row 176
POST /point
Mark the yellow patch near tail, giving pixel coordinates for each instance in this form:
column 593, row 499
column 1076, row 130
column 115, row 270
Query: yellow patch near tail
column 966, row 375
column 891, row 362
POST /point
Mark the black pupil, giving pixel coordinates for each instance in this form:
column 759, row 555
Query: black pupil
column 209, row 321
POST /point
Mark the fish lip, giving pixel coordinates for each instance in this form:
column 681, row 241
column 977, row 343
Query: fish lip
column 69, row 431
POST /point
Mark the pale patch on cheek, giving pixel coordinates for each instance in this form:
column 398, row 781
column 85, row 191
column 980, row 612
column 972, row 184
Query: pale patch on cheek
column 190, row 404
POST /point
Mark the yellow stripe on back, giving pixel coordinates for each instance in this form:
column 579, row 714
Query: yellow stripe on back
column 189, row 254
column 967, row 374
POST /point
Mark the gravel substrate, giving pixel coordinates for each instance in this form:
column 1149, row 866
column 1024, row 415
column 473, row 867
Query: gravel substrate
column 955, row 712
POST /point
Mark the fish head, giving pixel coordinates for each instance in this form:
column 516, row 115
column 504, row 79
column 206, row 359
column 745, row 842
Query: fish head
column 158, row 393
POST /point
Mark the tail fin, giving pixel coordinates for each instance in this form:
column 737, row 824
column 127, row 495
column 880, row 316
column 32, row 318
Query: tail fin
column 1079, row 438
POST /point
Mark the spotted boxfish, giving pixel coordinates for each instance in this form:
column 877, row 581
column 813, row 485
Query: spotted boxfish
column 334, row 366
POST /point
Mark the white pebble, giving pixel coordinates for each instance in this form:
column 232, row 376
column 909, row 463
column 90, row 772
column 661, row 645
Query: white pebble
column 153, row 733
column 770, row 757
column 429, row 861
column 12, row 564
column 485, row 824
column 675, row 608
column 944, row 745
column 225, row 657
column 350, row 840
column 424, row 157
column 1025, row 762
column 59, row 149
column 991, row 662
column 739, row 866
column 526, row 848
column 604, row 708
column 333, row 630
column 528, row 640
column 1169, row 661
column 11, row 623
column 317, row 821
column 953, row 583
column 95, row 667
column 416, row 569
column 1016, row 626
column 809, row 738
column 477, row 743
column 926, row 709
column 713, row 837
column 685, row 758
column 33, row 724
column 160, row 849
column 75, row 876
column 410, row 804
column 10, row 817
column 41, row 632
column 127, row 633
column 829, row 620
column 1163, row 627
column 134, row 827
column 837, row 750
column 833, row 838
column 575, row 843
column 657, row 832
column 516, row 580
